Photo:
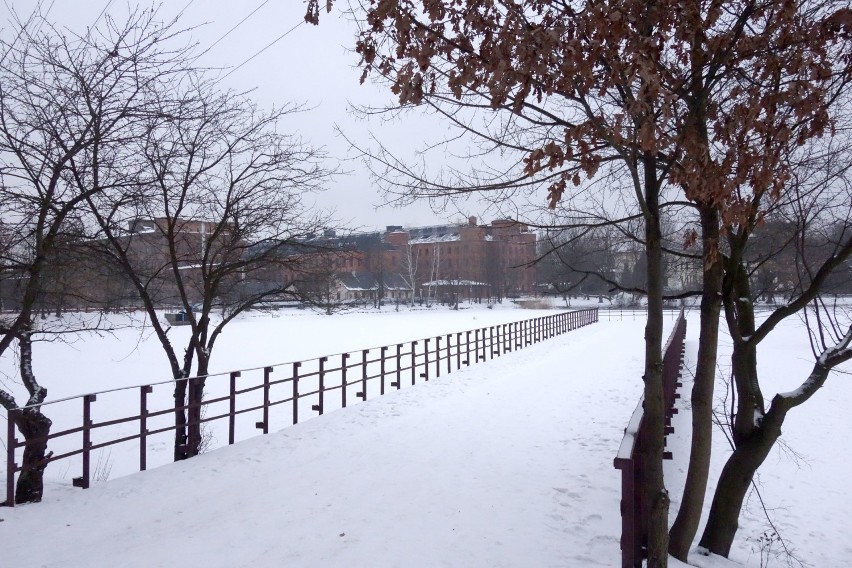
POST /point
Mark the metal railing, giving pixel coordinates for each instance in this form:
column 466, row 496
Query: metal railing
column 615, row 313
column 255, row 399
column 634, row 516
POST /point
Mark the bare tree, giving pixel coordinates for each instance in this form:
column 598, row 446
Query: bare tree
column 217, row 223
column 814, row 226
column 61, row 96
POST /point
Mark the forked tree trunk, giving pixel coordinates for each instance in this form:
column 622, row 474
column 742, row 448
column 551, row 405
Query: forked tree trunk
column 196, row 399
column 180, row 420
column 182, row 402
column 734, row 483
column 689, row 514
column 34, row 427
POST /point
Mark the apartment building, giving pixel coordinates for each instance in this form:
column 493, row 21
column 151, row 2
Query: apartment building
column 450, row 261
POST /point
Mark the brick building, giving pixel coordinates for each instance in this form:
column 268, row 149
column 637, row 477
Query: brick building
column 464, row 260
column 442, row 262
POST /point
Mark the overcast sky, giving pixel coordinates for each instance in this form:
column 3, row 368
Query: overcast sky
column 313, row 65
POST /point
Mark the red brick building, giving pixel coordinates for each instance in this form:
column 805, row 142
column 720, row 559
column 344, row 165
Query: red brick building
column 441, row 262
column 469, row 260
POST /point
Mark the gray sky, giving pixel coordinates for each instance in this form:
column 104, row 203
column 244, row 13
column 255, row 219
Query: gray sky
column 313, row 65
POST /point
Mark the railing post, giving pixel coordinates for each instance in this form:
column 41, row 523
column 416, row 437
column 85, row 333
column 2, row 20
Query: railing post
column 467, row 348
column 413, row 362
column 438, row 356
column 144, row 391
column 232, row 413
column 382, row 368
column 629, row 528
column 458, row 350
column 363, row 394
column 425, row 373
column 398, row 382
column 265, row 424
column 449, row 354
column 343, row 358
column 296, row 392
column 476, row 346
column 11, row 466
column 321, row 390
column 83, row 481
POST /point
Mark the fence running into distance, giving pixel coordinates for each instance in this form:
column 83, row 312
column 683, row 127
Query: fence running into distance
column 241, row 401
column 634, row 516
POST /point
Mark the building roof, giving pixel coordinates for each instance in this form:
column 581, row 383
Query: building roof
column 360, row 281
column 438, row 238
column 454, row 283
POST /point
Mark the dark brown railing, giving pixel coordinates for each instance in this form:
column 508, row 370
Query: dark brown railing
column 311, row 386
column 634, row 517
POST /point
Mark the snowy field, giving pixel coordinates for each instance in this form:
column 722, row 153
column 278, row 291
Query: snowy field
column 804, row 482
column 506, row 463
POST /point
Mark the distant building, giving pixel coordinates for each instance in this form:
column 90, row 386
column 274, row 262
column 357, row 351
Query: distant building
column 447, row 263
column 444, row 262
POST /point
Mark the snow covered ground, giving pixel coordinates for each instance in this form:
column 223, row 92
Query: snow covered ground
column 804, row 482
column 507, row 463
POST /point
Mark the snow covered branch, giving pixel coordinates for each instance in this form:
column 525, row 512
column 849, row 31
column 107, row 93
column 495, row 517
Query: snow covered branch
column 827, row 360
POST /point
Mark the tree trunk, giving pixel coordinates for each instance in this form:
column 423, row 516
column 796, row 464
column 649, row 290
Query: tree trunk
column 35, row 427
column 180, row 420
column 733, row 485
column 689, row 515
column 182, row 444
column 652, row 454
column 196, row 398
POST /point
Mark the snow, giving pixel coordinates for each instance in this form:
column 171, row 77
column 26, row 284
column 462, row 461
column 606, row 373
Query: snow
column 431, row 239
column 804, row 481
column 626, row 448
column 454, row 283
column 505, row 463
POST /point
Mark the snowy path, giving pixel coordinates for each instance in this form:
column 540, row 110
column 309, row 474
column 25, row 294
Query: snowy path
column 508, row 463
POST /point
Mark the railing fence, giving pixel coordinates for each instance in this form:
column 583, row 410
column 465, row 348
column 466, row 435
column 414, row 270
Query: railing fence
column 311, row 386
column 634, row 517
